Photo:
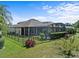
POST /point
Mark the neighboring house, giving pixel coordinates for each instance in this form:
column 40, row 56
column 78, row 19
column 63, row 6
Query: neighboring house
column 35, row 27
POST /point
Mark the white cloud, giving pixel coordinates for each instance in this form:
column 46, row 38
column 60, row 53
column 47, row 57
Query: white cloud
column 20, row 19
column 68, row 19
column 67, row 12
column 46, row 7
column 40, row 18
column 17, row 19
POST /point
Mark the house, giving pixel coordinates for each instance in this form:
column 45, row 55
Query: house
column 35, row 27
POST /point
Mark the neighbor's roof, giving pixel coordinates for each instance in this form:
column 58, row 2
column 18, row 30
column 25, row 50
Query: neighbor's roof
column 32, row 23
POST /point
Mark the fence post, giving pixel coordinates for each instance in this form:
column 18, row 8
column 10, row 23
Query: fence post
column 17, row 38
column 23, row 41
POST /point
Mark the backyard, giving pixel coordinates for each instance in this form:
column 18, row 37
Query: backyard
column 49, row 49
column 36, row 39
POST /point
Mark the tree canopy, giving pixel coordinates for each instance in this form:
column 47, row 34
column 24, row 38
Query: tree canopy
column 76, row 24
column 5, row 18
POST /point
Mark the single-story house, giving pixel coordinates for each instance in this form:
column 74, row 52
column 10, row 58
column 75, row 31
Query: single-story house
column 35, row 27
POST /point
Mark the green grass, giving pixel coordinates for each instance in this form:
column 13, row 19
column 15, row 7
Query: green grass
column 12, row 49
column 47, row 49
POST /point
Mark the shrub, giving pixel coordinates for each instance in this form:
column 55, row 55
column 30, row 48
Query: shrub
column 71, row 31
column 37, row 37
column 45, row 36
column 57, row 35
column 1, row 43
column 77, row 30
column 68, row 46
column 42, row 35
column 1, row 40
column 29, row 43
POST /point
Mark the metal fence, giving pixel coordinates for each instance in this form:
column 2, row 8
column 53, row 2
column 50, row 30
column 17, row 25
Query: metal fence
column 18, row 39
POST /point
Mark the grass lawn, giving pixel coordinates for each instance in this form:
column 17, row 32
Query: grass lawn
column 48, row 49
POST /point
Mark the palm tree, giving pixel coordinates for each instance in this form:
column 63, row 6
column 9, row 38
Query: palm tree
column 5, row 19
column 5, row 16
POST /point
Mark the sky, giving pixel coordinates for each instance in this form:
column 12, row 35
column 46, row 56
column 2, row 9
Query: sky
column 53, row 11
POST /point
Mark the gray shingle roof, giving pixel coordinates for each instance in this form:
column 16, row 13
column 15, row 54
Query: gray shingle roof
column 32, row 23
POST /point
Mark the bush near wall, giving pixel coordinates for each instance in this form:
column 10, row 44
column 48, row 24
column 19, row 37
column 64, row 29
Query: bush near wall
column 42, row 35
column 1, row 43
column 77, row 30
column 57, row 35
column 71, row 31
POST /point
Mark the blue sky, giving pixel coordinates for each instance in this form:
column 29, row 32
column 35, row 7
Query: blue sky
column 54, row 11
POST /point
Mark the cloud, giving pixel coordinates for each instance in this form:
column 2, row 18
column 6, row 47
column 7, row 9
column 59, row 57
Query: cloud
column 17, row 19
column 68, row 19
column 65, row 12
column 20, row 19
column 46, row 7
column 65, row 9
column 40, row 18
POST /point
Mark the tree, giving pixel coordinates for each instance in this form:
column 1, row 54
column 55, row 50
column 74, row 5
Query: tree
column 5, row 19
column 76, row 24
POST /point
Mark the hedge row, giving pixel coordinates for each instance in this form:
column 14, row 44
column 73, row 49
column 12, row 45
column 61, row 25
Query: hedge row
column 57, row 35
column 71, row 31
